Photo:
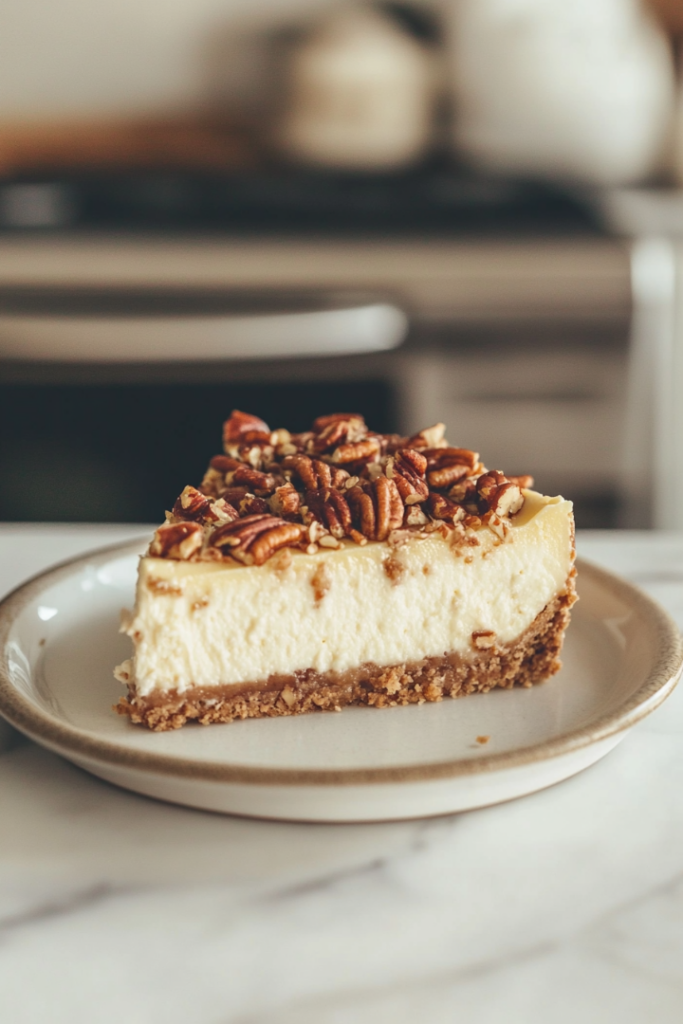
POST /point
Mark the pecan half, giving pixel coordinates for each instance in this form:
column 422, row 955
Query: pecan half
column 224, row 464
column 437, row 458
column 337, row 514
column 253, row 478
column 267, row 543
column 410, row 458
column 177, row 540
column 243, row 428
column 241, row 536
column 213, row 483
column 447, row 476
column 330, row 508
column 378, row 510
column 409, row 476
column 361, row 451
column 305, row 469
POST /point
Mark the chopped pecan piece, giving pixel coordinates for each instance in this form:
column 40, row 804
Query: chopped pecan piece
column 177, row 540
column 191, row 504
column 286, row 501
column 414, row 516
column 221, row 511
column 483, row 639
column 431, row 437
column 234, row 495
column 340, row 477
column 489, row 482
column 251, row 505
column 507, row 499
column 498, row 494
column 442, row 508
column 524, row 481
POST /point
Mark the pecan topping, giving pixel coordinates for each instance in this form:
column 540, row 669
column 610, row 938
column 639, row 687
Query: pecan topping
column 336, row 483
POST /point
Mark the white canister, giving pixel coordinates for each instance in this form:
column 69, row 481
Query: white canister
column 360, row 95
column 581, row 90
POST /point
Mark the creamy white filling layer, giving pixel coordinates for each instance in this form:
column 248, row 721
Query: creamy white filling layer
column 209, row 624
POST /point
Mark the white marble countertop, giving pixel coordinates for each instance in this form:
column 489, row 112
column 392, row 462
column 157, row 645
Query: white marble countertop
column 564, row 906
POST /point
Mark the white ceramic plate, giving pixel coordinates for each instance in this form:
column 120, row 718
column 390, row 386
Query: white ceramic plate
column 59, row 641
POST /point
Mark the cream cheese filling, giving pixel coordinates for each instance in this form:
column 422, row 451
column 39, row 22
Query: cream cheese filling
column 212, row 624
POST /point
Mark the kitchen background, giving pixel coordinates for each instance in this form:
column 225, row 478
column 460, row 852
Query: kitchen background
column 464, row 210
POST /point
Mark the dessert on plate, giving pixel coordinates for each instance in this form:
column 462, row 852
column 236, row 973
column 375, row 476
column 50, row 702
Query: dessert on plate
column 341, row 566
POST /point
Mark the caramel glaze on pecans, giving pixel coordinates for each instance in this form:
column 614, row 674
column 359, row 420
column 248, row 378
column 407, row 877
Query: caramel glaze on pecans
column 338, row 481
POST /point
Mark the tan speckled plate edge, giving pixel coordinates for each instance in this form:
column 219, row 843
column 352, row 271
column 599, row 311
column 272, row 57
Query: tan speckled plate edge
column 46, row 730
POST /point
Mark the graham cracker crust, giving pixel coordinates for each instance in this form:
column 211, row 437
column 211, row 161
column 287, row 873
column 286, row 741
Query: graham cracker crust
column 532, row 658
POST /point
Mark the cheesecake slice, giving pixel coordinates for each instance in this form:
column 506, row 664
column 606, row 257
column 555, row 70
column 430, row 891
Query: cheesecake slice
column 340, row 566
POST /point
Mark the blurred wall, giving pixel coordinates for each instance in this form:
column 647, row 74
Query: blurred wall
column 78, row 58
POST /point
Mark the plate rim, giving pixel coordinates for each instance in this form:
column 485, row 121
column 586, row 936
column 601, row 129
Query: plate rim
column 71, row 741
